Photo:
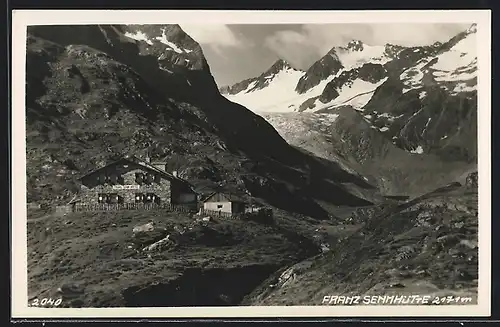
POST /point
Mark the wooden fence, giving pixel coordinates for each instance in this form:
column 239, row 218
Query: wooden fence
column 64, row 209
column 133, row 206
column 32, row 205
column 215, row 213
column 262, row 215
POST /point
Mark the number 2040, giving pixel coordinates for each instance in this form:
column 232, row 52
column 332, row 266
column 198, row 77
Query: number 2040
column 46, row 302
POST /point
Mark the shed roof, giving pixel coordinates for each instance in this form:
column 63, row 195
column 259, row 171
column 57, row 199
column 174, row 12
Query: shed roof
column 231, row 197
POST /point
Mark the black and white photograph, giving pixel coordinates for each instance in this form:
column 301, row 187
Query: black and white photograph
column 276, row 164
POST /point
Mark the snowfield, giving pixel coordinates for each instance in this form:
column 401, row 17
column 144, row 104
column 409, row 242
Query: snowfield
column 357, row 95
column 279, row 95
column 460, row 55
column 412, row 77
column 369, row 54
column 139, row 36
column 163, row 39
column 457, row 65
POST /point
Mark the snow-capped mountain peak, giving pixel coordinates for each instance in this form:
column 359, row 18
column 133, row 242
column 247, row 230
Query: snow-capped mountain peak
column 283, row 88
column 354, row 45
column 281, row 64
column 392, row 50
column 278, row 66
column 280, row 70
column 453, row 68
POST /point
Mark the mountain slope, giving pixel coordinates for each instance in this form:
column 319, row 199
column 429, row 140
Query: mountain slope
column 260, row 82
column 431, row 107
column 425, row 246
column 276, row 83
column 345, row 136
column 352, row 87
column 108, row 94
column 354, row 55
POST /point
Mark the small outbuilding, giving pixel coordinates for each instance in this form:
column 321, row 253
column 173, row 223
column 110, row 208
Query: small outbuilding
column 224, row 203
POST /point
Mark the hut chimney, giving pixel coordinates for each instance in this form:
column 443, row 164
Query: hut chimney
column 174, row 173
column 160, row 165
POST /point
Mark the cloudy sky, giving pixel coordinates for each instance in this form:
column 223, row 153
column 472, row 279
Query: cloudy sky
column 236, row 52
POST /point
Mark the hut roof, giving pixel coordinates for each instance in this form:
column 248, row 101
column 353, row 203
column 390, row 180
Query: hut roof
column 230, row 197
column 146, row 165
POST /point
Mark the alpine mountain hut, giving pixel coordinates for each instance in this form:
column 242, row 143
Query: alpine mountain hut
column 133, row 180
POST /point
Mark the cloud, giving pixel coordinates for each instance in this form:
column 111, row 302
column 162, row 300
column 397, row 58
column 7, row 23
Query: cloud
column 295, row 47
column 415, row 34
column 317, row 39
column 214, row 35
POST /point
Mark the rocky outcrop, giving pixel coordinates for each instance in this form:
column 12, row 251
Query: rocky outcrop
column 320, row 70
column 369, row 72
column 393, row 50
column 471, row 180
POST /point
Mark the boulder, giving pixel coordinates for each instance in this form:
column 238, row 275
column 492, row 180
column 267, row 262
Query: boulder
column 160, row 245
column 144, row 235
column 471, row 180
column 144, row 228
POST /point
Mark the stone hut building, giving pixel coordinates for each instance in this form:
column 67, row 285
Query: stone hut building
column 132, row 180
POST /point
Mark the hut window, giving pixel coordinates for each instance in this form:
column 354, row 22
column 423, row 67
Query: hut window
column 150, row 197
column 219, row 206
column 101, row 198
column 139, row 178
column 113, row 179
column 149, row 178
column 139, row 197
column 114, row 198
column 157, row 178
